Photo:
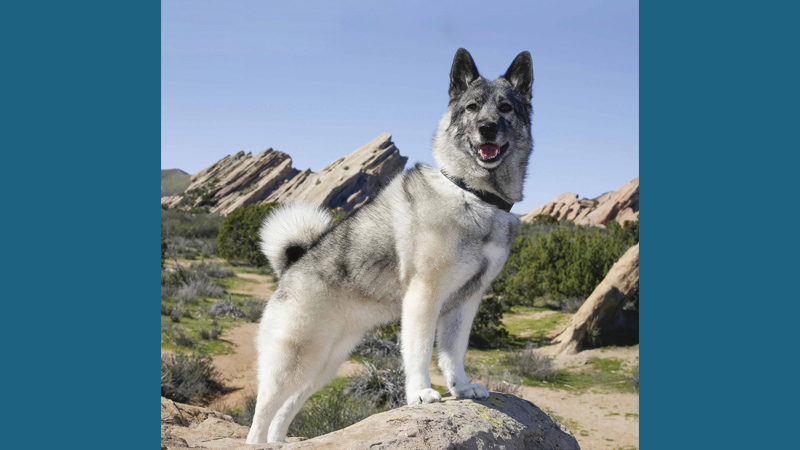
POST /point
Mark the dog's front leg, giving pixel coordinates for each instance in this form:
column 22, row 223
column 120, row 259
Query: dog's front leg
column 421, row 308
column 452, row 339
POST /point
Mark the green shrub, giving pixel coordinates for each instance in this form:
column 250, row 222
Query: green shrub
column 190, row 234
column 253, row 309
column 195, row 223
column 487, row 328
column 243, row 415
column 211, row 334
column 212, row 270
column 505, row 382
column 188, row 378
column 562, row 262
column 382, row 380
column 238, row 240
column 545, row 219
column 332, row 409
column 527, row 363
column 176, row 335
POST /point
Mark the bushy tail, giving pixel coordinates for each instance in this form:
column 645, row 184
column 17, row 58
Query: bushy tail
column 289, row 231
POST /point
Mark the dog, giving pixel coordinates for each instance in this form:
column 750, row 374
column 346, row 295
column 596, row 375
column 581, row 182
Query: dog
column 423, row 251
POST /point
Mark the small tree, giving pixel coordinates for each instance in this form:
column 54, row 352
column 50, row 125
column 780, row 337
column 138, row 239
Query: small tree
column 238, row 240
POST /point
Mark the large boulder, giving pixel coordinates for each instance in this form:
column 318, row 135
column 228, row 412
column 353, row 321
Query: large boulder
column 606, row 301
column 501, row 421
column 242, row 179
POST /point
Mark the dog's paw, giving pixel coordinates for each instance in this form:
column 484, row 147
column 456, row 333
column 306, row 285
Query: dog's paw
column 475, row 391
column 423, row 396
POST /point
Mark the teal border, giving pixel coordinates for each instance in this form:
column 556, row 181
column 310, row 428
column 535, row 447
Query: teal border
column 81, row 134
column 718, row 104
column 81, row 137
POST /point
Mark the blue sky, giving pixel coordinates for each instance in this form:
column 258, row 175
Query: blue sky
column 317, row 81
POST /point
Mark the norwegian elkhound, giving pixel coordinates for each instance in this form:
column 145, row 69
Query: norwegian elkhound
column 424, row 251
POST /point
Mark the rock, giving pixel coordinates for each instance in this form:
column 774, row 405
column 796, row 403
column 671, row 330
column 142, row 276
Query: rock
column 242, row 179
column 607, row 299
column 620, row 206
column 501, row 421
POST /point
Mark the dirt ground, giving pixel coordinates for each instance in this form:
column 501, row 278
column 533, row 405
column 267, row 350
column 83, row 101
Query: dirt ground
column 599, row 420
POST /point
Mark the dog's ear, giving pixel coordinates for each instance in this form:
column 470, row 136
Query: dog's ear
column 462, row 73
column 520, row 75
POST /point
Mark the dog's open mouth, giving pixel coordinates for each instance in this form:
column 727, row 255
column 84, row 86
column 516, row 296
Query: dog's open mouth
column 490, row 152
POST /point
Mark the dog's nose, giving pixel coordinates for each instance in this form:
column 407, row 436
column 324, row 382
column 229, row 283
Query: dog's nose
column 488, row 130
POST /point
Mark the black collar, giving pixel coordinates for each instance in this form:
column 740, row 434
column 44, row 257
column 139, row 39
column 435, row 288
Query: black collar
column 488, row 197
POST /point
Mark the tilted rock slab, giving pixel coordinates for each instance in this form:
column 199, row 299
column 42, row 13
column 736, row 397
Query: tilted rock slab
column 502, row 421
column 606, row 300
column 621, row 206
column 243, row 179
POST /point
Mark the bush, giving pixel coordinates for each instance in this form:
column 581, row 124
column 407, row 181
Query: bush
column 211, row 334
column 238, row 240
column 487, row 328
column 383, row 380
column 199, row 288
column 191, row 248
column 545, row 219
column 244, row 415
column 561, row 261
column 634, row 378
column 188, row 378
column 530, row 364
column 506, row 382
column 176, row 335
column 226, row 308
column 254, row 308
column 332, row 409
column 374, row 347
column 191, row 224
column 212, row 270
column 190, row 234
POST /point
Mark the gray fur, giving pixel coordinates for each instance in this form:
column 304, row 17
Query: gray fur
column 424, row 251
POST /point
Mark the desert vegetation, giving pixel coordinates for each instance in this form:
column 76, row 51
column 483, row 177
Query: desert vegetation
column 238, row 235
column 189, row 234
column 553, row 267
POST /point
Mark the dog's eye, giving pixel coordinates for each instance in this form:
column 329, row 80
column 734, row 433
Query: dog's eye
column 472, row 107
column 505, row 107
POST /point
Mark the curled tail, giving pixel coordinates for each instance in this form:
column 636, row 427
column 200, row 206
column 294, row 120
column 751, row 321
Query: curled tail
column 289, row 231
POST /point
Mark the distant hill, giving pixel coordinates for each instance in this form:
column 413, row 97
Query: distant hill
column 174, row 181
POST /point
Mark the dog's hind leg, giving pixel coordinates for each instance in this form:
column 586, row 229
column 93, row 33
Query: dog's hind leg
column 452, row 338
column 284, row 368
column 340, row 351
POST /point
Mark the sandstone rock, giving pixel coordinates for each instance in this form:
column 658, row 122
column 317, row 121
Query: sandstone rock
column 501, row 421
column 241, row 179
column 620, row 206
column 605, row 301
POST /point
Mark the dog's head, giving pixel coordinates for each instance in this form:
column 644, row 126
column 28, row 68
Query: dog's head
column 485, row 135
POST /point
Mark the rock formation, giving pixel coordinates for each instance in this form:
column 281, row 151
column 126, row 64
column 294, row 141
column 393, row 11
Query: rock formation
column 621, row 206
column 621, row 282
column 501, row 421
column 242, row 179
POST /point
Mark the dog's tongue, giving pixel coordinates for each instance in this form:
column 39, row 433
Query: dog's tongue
column 488, row 151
